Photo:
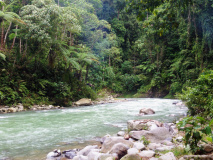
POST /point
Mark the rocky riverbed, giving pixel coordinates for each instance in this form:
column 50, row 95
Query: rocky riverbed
column 145, row 139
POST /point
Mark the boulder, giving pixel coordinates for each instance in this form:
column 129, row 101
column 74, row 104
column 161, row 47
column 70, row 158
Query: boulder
column 153, row 146
column 20, row 107
column 145, row 124
column 167, row 156
column 54, row 155
column 137, row 134
column 132, row 151
column 80, row 158
column 208, row 148
column 70, row 154
column 139, row 145
column 131, row 157
column 11, row 110
column 146, row 111
column 94, row 155
column 158, row 135
column 109, row 142
column 119, row 149
column 3, row 110
column 85, row 151
column 164, row 148
column 105, row 157
column 83, row 102
column 147, row 153
column 121, row 133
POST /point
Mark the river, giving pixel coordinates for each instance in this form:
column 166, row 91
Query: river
column 31, row 135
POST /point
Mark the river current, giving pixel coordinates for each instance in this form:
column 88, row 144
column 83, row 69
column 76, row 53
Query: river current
column 32, row 134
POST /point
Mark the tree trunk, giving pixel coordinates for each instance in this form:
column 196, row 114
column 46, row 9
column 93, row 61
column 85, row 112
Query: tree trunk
column 2, row 31
column 2, row 35
column 189, row 26
column 5, row 37
column 20, row 47
column 14, row 39
column 87, row 73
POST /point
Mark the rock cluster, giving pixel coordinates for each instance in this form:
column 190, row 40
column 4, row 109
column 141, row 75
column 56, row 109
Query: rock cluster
column 44, row 107
column 20, row 107
column 12, row 109
column 139, row 144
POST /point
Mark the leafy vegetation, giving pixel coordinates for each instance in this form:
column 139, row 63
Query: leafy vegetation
column 196, row 130
column 50, row 50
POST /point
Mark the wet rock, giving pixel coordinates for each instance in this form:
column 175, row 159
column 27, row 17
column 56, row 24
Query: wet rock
column 85, row 151
column 109, row 142
column 54, row 155
column 131, row 157
column 119, row 149
column 167, row 156
column 70, row 154
column 146, row 111
column 147, row 153
column 83, row 102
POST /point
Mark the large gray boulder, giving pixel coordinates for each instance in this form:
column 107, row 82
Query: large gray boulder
column 156, row 135
column 109, row 142
column 159, row 135
column 146, row 111
column 83, row 102
column 137, row 134
column 85, row 151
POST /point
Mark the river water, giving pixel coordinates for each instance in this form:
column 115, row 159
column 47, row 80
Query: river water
column 32, row 134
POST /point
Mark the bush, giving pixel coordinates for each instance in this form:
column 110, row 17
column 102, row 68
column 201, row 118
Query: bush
column 199, row 98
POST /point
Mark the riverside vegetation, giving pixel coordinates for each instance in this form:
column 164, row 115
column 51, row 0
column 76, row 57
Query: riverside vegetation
column 56, row 52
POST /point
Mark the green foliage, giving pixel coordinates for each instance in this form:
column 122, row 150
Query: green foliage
column 198, row 98
column 145, row 141
column 195, row 129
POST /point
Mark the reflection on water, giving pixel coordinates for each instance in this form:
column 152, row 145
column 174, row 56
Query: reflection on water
column 27, row 135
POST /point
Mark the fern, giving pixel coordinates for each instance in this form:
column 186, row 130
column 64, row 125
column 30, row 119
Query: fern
column 3, row 56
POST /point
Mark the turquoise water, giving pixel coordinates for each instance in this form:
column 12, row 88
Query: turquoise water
column 32, row 134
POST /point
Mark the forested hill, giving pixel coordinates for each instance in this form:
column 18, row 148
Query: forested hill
column 63, row 50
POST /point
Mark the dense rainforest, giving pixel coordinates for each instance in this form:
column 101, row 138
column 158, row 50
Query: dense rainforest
column 56, row 52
